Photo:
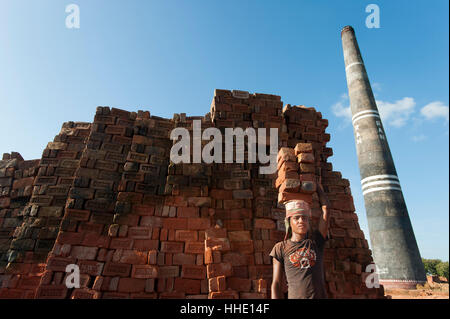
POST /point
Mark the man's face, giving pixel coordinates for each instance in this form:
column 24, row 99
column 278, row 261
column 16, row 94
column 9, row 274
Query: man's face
column 299, row 224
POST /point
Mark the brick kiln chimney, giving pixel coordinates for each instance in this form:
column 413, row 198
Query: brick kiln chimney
column 393, row 242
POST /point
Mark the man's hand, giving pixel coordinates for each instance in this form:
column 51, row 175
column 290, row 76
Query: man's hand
column 324, row 203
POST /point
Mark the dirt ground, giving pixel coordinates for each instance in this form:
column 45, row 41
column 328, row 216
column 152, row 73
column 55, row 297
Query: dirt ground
column 428, row 291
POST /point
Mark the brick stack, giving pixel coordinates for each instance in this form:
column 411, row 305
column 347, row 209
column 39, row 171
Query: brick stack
column 346, row 252
column 82, row 237
column 140, row 227
column 185, row 218
column 245, row 203
column 16, row 185
column 35, row 237
column 135, row 234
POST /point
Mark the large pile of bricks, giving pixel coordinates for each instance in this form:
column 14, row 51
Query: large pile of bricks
column 107, row 198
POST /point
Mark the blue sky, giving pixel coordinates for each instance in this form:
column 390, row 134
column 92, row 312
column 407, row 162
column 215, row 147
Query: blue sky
column 169, row 56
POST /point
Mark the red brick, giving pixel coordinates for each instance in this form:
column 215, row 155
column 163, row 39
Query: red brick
column 284, row 175
column 194, row 247
column 23, row 182
column 114, row 295
column 221, row 244
column 145, row 244
column 303, row 148
column 222, row 269
column 12, row 293
column 116, row 269
column 143, row 210
column 151, row 221
column 140, row 232
column 70, row 238
column 93, row 268
column 183, row 259
column 144, row 271
column 215, row 233
column 172, row 247
column 217, row 283
column 221, row 194
column 188, row 212
column 131, row 285
column 59, row 263
column 239, row 284
column 77, row 214
column 133, row 257
column 29, row 282
column 177, row 201
column 121, row 243
column 83, row 252
column 51, row 292
column 233, row 204
column 93, row 239
column 199, row 201
column 337, row 232
column 84, row 293
column 235, row 258
column 285, row 196
column 193, row 272
column 188, row 286
column 305, row 158
column 198, row 223
column 240, row 235
column 175, row 223
column 252, row 295
column 245, row 247
column 168, row 271
column 264, row 223
column 234, row 224
column 186, row 235
column 172, row 295
column 257, row 272
column 286, row 154
column 290, row 185
column 228, row 294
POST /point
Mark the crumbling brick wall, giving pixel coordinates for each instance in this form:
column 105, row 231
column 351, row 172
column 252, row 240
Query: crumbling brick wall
column 140, row 226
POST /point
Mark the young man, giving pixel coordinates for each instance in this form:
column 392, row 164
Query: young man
column 300, row 255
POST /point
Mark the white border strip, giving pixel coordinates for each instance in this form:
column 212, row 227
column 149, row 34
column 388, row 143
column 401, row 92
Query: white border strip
column 388, row 182
column 364, row 180
column 361, row 117
column 352, row 64
column 364, row 112
column 377, row 189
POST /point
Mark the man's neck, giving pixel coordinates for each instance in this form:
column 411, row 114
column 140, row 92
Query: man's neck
column 298, row 237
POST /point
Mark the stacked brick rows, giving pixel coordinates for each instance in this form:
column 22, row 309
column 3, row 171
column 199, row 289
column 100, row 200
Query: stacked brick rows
column 244, row 201
column 184, row 218
column 35, row 237
column 83, row 235
column 16, row 185
column 346, row 252
column 140, row 226
column 139, row 207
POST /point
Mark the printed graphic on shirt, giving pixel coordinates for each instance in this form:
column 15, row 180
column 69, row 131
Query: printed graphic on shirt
column 303, row 258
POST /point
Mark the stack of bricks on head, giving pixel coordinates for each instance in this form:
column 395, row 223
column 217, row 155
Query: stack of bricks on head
column 106, row 198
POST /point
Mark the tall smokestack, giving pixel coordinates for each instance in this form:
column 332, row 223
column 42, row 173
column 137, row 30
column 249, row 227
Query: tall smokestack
column 393, row 242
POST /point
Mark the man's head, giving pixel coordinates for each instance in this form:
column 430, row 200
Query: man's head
column 298, row 214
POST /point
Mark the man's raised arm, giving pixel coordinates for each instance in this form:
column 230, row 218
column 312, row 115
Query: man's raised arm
column 325, row 204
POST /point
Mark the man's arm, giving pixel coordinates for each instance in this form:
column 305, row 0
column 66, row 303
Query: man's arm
column 276, row 280
column 325, row 204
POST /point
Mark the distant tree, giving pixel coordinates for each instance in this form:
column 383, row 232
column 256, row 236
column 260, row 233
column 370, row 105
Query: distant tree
column 430, row 266
column 442, row 269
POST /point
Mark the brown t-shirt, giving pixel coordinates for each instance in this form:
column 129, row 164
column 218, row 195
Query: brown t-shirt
column 303, row 264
